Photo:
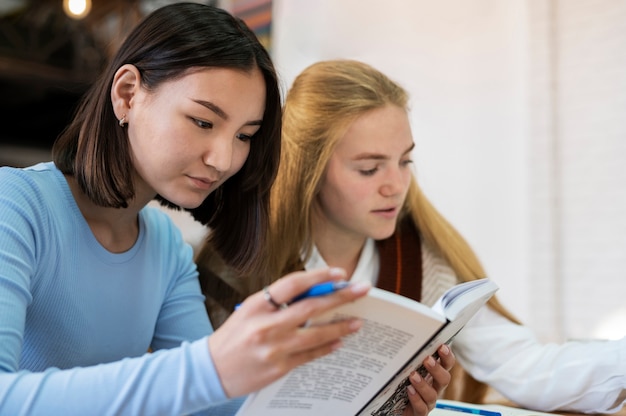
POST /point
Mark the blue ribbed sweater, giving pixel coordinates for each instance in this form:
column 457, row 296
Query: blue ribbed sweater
column 76, row 320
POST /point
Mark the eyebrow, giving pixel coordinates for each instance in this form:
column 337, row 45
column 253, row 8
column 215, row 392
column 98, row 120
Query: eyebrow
column 378, row 156
column 222, row 114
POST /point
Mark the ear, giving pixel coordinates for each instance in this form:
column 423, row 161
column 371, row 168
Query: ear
column 126, row 83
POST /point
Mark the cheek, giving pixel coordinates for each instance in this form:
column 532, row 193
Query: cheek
column 343, row 188
column 357, row 191
column 146, row 134
column 240, row 155
column 341, row 199
column 407, row 181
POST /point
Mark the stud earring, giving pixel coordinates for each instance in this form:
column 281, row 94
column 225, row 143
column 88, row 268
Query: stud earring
column 122, row 121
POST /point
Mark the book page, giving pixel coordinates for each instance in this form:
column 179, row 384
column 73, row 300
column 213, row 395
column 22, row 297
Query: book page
column 459, row 304
column 342, row 382
column 465, row 299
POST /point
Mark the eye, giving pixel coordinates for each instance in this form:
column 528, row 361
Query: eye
column 406, row 162
column 368, row 172
column 244, row 137
column 202, row 124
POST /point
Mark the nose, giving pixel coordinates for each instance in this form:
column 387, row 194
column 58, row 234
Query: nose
column 393, row 183
column 219, row 153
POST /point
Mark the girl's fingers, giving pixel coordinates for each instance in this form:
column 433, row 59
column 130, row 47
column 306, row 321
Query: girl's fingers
column 421, row 396
column 290, row 286
column 270, row 300
column 424, row 391
column 269, row 341
column 446, row 357
column 439, row 370
column 313, row 337
column 305, row 356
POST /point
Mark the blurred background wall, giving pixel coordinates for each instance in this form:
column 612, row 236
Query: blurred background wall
column 518, row 113
column 519, row 119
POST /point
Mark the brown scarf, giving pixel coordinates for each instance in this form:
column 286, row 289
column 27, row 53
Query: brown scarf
column 401, row 272
column 401, row 262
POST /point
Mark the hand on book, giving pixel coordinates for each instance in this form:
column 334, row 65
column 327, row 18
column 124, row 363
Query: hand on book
column 424, row 390
column 373, row 373
column 262, row 340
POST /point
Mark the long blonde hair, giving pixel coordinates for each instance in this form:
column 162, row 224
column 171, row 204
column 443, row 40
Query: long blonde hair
column 321, row 104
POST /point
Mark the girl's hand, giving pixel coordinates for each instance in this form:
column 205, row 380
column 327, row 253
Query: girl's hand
column 424, row 391
column 260, row 343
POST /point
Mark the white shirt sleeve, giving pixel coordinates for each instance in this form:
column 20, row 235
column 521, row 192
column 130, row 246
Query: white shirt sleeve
column 587, row 377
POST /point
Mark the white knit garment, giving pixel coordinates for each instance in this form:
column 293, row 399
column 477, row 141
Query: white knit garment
column 438, row 276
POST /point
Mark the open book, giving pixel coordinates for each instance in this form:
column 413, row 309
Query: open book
column 368, row 374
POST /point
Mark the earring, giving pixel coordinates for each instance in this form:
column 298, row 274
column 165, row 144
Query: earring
column 122, row 121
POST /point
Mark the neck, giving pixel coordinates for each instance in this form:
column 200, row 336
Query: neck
column 339, row 250
column 116, row 229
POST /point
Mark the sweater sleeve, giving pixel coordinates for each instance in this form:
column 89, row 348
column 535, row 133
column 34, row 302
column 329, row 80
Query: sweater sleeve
column 588, row 377
column 178, row 379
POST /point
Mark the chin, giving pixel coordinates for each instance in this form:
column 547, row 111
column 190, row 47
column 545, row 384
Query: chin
column 192, row 205
column 382, row 234
column 187, row 203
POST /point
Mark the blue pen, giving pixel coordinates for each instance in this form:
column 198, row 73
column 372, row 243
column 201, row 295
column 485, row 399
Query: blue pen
column 322, row 289
column 471, row 410
column 319, row 289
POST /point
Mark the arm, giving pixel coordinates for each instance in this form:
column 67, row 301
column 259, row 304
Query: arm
column 170, row 381
column 173, row 382
column 574, row 376
column 29, row 384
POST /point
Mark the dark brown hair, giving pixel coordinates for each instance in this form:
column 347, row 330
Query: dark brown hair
column 164, row 46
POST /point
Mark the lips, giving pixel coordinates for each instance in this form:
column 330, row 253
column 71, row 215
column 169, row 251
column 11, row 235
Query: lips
column 386, row 212
column 392, row 209
column 202, row 183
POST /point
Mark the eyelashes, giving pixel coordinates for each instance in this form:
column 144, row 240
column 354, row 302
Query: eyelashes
column 245, row 137
column 371, row 172
column 207, row 125
column 368, row 172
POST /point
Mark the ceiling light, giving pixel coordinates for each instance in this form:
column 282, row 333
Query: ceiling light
column 77, row 9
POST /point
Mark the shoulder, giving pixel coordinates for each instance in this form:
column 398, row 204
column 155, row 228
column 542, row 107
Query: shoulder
column 39, row 187
column 34, row 213
column 40, row 175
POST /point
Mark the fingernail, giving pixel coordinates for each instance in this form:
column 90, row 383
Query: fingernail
column 430, row 362
column 336, row 345
column 445, row 350
column 337, row 272
column 415, row 377
column 360, row 287
column 355, row 325
column 411, row 390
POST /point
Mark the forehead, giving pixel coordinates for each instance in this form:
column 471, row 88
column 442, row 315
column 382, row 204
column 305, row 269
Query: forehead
column 217, row 77
column 225, row 84
column 385, row 130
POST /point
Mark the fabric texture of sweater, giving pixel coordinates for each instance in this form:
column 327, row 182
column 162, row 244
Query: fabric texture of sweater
column 76, row 320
